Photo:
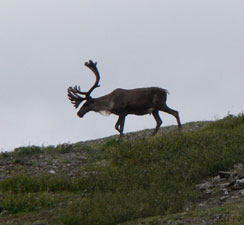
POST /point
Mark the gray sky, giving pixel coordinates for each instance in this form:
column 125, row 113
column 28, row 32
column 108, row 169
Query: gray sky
column 195, row 49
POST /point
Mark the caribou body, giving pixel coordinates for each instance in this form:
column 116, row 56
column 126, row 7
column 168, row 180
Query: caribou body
column 122, row 102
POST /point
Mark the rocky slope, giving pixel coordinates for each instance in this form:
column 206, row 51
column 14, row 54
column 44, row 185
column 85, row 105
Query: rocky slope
column 220, row 201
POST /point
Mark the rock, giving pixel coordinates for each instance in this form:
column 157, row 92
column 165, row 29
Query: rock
column 216, row 179
column 238, row 166
column 238, row 185
column 235, row 197
column 205, row 186
column 4, row 212
column 224, row 185
column 52, row 171
column 202, row 204
column 208, row 192
column 224, row 174
column 242, row 193
column 225, row 191
column 240, row 182
column 227, row 186
column 222, row 198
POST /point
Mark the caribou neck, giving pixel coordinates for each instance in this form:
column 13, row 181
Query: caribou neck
column 103, row 104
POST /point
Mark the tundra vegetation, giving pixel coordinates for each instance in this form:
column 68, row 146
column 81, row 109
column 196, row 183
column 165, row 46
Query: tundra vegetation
column 123, row 181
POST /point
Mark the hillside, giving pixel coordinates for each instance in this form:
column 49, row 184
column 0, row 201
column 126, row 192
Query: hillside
column 195, row 176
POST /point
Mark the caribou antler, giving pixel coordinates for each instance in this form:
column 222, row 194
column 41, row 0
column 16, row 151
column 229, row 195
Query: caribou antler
column 75, row 92
column 74, row 97
column 93, row 67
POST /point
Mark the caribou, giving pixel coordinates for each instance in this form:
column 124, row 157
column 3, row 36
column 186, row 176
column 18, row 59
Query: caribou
column 122, row 102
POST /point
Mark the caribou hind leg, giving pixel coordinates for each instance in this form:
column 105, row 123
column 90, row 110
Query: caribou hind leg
column 175, row 113
column 158, row 121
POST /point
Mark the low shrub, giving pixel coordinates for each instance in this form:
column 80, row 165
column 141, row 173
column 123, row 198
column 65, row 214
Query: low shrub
column 26, row 202
column 30, row 150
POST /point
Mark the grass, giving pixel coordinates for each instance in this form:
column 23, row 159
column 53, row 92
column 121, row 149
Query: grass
column 27, row 202
column 227, row 214
column 126, row 180
column 37, row 150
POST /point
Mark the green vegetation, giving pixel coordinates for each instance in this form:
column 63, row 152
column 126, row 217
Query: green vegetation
column 127, row 180
column 35, row 150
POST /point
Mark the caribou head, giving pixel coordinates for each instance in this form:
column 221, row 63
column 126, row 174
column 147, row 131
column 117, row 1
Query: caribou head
column 77, row 96
column 121, row 102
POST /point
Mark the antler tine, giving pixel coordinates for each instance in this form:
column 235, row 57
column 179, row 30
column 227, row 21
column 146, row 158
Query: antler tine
column 93, row 67
column 77, row 90
column 74, row 97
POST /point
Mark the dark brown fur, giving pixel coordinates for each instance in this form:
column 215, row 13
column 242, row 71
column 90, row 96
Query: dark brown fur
column 121, row 102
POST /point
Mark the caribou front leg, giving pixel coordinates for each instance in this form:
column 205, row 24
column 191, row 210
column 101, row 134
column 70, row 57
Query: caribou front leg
column 119, row 126
column 158, row 121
